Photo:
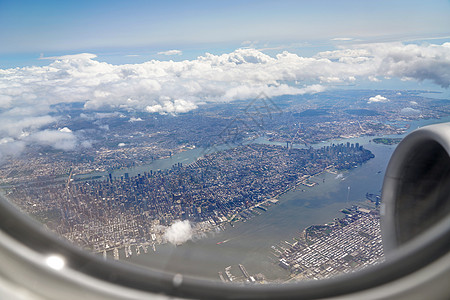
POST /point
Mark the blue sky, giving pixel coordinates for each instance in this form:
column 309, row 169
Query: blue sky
column 119, row 31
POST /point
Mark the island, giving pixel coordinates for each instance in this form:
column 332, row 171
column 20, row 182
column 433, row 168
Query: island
column 219, row 188
column 387, row 141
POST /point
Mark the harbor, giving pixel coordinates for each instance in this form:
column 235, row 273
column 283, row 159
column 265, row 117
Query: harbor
column 249, row 243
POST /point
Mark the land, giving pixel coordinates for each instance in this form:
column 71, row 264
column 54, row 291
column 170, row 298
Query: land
column 387, row 141
column 234, row 178
column 222, row 187
column 123, row 139
column 345, row 245
column 322, row 251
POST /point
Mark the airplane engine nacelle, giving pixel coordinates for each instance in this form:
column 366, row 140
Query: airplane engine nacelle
column 416, row 187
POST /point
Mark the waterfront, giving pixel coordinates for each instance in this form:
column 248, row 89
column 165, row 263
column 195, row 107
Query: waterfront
column 188, row 156
column 249, row 243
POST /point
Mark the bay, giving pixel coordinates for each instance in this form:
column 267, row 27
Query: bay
column 249, row 243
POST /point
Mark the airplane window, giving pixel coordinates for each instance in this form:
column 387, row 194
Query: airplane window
column 159, row 148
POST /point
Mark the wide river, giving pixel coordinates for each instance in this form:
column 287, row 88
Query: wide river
column 249, row 243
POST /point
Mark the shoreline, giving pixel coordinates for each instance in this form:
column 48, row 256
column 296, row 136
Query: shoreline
column 273, row 200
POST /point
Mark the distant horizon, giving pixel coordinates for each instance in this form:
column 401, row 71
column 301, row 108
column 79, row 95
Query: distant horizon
column 133, row 32
column 136, row 55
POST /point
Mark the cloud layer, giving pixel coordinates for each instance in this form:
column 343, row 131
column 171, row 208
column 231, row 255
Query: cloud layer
column 26, row 94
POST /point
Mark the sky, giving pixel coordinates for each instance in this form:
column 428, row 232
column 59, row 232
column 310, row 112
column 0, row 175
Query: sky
column 117, row 30
column 170, row 57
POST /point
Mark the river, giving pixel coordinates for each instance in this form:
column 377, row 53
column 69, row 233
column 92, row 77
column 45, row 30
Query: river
column 249, row 242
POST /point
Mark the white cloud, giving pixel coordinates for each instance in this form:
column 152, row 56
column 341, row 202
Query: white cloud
column 170, row 52
column 174, row 87
column 65, row 129
column 378, row 98
column 415, row 62
column 17, row 125
column 27, row 94
column 373, row 79
column 57, row 139
column 342, row 39
column 179, row 232
column 133, row 119
column 169, row 106
column 70, row 57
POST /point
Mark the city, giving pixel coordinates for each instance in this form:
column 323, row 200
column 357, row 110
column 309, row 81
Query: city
column 321, row 251
column 241, row 158
column 345, row 245
column 222, row 187
column 121, row 139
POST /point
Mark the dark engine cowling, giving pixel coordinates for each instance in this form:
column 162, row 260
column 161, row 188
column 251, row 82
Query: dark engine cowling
column 416, row 187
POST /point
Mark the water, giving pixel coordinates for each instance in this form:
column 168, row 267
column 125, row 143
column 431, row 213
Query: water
column 250, row 243
column 189, row 156
column 184, row 157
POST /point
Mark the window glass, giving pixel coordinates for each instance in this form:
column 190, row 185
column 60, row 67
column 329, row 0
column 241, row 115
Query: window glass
column 233, row 145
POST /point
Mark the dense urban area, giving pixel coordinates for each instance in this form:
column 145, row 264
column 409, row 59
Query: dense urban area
column 251, row 152
column 123, row 139
column 343, row 246
column 221, row 187
column 322, row 251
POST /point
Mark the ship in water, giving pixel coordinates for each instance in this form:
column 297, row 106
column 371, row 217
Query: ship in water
column 222, row 242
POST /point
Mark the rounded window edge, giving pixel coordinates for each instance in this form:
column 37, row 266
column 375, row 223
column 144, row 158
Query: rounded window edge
column 413, row 255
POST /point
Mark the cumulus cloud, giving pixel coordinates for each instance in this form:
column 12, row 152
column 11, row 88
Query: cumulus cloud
column 179, row 232
column 21, row 126
column 407, row 62
column 415, row 62
column 28, row 94
column 17, row 125
column 169, row 106
column 378, row 98
column 134, row 119
column 170, row 52
column 176, row 87
column 65, row 129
